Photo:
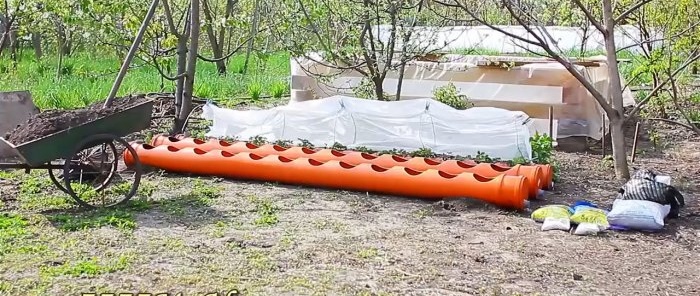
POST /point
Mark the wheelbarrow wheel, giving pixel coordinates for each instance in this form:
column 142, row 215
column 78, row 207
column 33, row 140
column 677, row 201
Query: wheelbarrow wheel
column 101, row 196
column 58, row 179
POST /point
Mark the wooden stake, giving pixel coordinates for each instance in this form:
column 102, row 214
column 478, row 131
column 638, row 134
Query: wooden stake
column 551, row 122
column 634, row 143
column 604, row 132
column 131, row 54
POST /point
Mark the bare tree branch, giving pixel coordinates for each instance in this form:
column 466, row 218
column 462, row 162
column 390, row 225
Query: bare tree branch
column 632, row 9
column 234, row 51
column 590, row 17
column 169, row 19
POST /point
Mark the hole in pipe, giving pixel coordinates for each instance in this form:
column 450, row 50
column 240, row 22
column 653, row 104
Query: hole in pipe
column 278, row 148
column 398, row 158
column 284, row 159
column 379, row 169
column 314, row 162
column 446, row 175
column 412, row 172
column 465, row 165
column 254, row 156
column 367, row 156
column 346, row 165
column 199, row 151
column 498, row 168
column 429, row 161
column 481, row 178
column 337, row 153
column 199, row 141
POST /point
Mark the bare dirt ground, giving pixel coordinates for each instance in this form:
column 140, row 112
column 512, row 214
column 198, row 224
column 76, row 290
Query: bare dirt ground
column 204, row 235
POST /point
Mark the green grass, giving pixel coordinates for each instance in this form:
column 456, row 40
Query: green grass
column 266, row 211
column 87, row 78
column 88, row 267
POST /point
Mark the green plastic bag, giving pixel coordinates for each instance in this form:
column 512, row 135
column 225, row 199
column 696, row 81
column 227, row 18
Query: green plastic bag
column 584, row 214
column 551, row 211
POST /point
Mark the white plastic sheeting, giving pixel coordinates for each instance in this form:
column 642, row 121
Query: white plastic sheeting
column 483, row 37
column 377, row 125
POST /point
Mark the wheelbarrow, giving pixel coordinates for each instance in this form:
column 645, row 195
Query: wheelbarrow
column 82, row 161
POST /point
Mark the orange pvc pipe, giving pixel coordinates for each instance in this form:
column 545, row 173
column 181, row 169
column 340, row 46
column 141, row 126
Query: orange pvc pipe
column 504, row 191
column 533, row 174
column 547, row 173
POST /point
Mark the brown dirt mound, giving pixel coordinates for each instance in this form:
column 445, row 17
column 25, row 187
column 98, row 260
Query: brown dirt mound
column 53, row 121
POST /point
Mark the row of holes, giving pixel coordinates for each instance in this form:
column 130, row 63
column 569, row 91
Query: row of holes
column 344, row 165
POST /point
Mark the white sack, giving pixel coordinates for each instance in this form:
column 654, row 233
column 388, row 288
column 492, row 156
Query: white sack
column 638, row 214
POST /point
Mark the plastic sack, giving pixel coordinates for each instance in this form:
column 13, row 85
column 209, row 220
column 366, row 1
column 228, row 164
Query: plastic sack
column 588, row 229
column 638, row 214
column 552, row 223
column 588, row 214
column 551, row 211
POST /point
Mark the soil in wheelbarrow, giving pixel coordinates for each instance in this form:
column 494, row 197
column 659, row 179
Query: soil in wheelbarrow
column 52, row 121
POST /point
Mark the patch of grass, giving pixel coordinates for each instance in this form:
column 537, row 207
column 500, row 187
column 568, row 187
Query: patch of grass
column 204, row 190
column 422, row 213
column 145, row 190
column 333, row 225
column 219, row 229
column 287, row 240
column 5, row 286
column 174, row 243
column 279, row 89
column 38, row 202
column 368, row 253
column 266, row 210
column 12, row 225
column 88, row 268
column 295, row 282
column 9, row 175
column 255, row 90
column 35, row 183
column 121, row 218
column 16, row 236
column 259, row 262
column 201, row 195
column 88, row 76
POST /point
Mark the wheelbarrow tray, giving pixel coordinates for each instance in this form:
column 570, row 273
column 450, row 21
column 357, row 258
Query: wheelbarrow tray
column 62, row 144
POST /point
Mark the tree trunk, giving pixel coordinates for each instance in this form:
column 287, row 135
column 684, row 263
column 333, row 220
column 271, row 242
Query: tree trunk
column 4, row 33
column 379, row 88
column 180, row 84
column 14, row 45
column 253, row 32
column 216, row 47
column 36, row 43
column 190, row 69
column 402, row 71
column 615, row 93
column 222, row 33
